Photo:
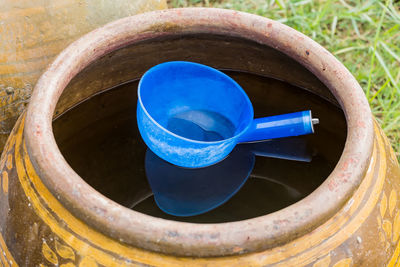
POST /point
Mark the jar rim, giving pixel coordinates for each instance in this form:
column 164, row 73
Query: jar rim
column 187, row 239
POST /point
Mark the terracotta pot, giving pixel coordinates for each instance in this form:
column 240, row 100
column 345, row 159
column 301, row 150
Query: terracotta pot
column 52, row 216
column 34, row 32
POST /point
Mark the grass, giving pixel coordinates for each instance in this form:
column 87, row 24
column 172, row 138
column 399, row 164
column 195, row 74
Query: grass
column 363, row 34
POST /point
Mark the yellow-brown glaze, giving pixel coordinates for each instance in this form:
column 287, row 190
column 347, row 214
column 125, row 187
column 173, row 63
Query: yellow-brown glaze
column 32, row 33
column 350, row 238
column 362, row 232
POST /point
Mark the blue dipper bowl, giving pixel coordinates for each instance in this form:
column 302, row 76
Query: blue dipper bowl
column 192, row 115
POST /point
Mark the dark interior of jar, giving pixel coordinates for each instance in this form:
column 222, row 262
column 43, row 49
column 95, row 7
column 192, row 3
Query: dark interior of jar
column 95, row 123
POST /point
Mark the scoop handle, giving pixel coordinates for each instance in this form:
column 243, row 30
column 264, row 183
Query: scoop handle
column 285, row 125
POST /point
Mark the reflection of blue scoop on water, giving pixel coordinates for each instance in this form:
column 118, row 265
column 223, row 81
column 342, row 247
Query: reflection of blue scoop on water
column 192, row 115
column 187, row 192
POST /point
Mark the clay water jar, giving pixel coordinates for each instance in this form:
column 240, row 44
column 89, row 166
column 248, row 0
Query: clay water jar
column 33, row 33
column 51, row 216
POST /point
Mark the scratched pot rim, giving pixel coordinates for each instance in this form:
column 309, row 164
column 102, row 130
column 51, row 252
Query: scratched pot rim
column 187, row 239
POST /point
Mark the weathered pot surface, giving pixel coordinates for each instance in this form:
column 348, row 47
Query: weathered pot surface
column 32, row 33
column 351, row 218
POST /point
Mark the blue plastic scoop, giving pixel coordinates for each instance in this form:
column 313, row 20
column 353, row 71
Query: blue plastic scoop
column 192, row 115
column 188, row 192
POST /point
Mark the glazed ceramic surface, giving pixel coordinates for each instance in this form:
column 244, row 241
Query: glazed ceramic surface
column 51, row 216
column 32, row 33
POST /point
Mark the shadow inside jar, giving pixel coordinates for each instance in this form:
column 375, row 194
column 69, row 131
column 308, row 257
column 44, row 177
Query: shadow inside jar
column 187, row 192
